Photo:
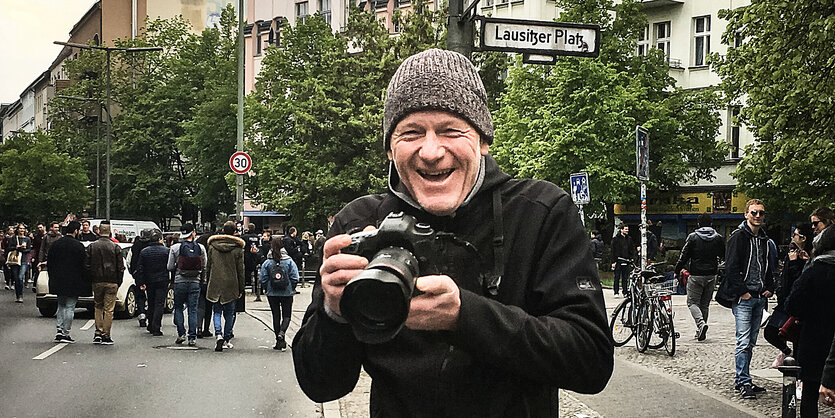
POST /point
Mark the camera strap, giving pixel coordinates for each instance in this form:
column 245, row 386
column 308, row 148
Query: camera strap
column 494, row 279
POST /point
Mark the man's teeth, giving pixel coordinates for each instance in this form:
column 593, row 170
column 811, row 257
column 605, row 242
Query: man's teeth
column 441, row 173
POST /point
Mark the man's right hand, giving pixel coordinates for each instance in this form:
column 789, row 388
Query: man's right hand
column 745, row 296
column 338, row 269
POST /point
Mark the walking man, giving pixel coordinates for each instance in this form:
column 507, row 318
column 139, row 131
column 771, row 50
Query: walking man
column 748, row 271
column 65, row 268
column 623, row 251
column 139, row 244
column 702, row 249
column 106, row 267
column 187, row 259
column 597, row 245
column 86, row 234
column 225, row 271
column 153, row 278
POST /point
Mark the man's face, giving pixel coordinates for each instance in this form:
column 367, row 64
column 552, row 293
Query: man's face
column 755, row 215
column 86, row 226
column 41, row 228
column 54, row 228
column 817, row 225
column 437, row 156
column 625, row 231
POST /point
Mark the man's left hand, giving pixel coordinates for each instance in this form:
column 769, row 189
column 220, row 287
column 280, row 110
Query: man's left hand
column 438, row 307
column 767, row 294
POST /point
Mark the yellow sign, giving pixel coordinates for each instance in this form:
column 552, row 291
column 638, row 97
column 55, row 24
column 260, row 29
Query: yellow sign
column 724, row 201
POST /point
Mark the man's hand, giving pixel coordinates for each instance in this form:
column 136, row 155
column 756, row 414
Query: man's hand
column 767, row 294
column 613, row 265
column 827, row 396
column 746, row 296
column 142, row 287
column 338, row 269
column 438, row 307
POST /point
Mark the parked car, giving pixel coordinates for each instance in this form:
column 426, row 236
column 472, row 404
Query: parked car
column 47, row 303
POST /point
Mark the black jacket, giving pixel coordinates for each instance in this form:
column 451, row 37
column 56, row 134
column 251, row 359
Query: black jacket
column 703, row 249
column 622, row 247
column 744, row 254
column 153, row 265
column 508, row 356
column 597, row 247
column 812, row 300
column 65, row 268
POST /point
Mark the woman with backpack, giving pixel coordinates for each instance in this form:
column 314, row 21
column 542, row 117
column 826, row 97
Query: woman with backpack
column 279, row 275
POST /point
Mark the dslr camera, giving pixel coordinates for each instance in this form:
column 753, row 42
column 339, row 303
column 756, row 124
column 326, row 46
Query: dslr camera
column 376, row 301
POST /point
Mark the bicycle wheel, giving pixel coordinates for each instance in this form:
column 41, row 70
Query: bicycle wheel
column 622, row 326
column 644, row 329
column 670, row 346
column 659, row 335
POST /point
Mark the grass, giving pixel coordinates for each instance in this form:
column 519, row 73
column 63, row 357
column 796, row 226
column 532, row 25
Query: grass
column 607, row 278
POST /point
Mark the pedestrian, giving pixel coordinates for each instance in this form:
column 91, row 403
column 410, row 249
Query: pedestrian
column 153, row 277
column 86, row 234
column 47, row 239
column 498, row 337
column 750, row 282
column 812, row 301
column 597, row 246
column 139, row 244
column 64, row 265
column 307, row 249
column 4, row 246
column 701, row 253
column 652, row 244
column 318, row 248
column 623, row 252
column 18, row 248
column 279, row 275
column 252, row 258
column 187, row 259
column 293, row 246
column 37, row 240
column 225, row 271
column 204, row 307
column 105, row 266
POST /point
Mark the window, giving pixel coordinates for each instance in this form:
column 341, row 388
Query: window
column 301, row 12
column 701, row 40
column 721, row 201
column 257, row 41
column 662, row 37
column 396, row 22
column 733, row 134
column 325, row 10
column 643, row 42
column 487, row 3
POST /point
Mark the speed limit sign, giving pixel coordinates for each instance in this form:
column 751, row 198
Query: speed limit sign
column 240, row 162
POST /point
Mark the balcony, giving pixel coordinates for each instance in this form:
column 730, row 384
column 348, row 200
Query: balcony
column 651, row 4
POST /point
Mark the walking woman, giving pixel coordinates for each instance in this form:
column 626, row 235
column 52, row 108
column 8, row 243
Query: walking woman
column 812, row 300
column 18, row 247
column 279, row 275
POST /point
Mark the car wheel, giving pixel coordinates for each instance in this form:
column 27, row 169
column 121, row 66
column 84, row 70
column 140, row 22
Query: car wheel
column 48, row 311
column 130, row 304
column 169, row 301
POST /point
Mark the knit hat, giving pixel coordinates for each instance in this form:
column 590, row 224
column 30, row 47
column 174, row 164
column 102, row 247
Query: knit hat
column 437, row 79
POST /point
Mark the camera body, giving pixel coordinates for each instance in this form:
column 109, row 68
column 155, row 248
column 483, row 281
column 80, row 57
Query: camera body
column 376, row 301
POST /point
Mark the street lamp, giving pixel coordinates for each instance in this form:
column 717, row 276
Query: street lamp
column 107, row 50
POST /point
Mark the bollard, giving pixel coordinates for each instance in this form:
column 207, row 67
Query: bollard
column 790, row 370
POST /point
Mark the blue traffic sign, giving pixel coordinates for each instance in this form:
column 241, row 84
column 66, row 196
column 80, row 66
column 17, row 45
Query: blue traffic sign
column 580, row 188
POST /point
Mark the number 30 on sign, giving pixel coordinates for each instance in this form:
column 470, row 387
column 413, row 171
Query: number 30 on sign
column 240, row 162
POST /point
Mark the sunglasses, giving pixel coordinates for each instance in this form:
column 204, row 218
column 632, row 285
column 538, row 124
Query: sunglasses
column 815, row 224
column 756, row 213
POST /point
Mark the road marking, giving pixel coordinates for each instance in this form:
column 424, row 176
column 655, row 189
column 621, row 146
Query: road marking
column 88, row 325
column 50, row 352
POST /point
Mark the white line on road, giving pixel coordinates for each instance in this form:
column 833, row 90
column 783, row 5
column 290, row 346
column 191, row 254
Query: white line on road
column 50, row 352
column 88, row 325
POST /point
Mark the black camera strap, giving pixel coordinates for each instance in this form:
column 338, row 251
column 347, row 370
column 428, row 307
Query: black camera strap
column 494, row 279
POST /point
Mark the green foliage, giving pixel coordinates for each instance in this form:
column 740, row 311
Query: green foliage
column 782, row 74
column 38, row 182
column 580, row 115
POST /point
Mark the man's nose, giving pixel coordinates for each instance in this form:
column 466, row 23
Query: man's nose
column 432, row 148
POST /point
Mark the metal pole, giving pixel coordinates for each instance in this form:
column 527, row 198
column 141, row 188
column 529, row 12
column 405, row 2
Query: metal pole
column 98, row 163
column 582, row 217
column 643, row 226
column 790, row 371
column 239, row 195
column 459, row 29
column 109, row 138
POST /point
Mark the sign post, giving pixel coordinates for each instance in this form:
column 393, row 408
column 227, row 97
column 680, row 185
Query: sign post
column 539, row 40
column 240, row 163
column 579, row 184
column 642, row 171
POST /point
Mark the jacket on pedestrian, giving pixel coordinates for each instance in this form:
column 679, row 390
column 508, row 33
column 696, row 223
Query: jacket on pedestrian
column 622, row 248
column 271, row 267
column 252, row 255
column 748, row 266
column 509, row 354
column 225, row 268
column 49, row 238
column 12, row 243
column 812, row 300
column 104, row 262
column 139, row 244
column 87, row 236
column 152, row 266
column 703, row 249
column 597, row 247
column 65, row 268
column 293, row 246
column 173, row 256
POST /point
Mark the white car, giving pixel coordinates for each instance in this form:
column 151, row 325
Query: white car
column 47, row 303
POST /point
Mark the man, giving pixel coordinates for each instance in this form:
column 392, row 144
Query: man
column 153, row 277
column 318, row 247
column 703, row 249
column 293, row 246
column 86, row 234
column 139, row 244
column 597, row 245
column 47, row 240
column 225, row 271
column 187, row 259
column 37, row 241
column 65, row 269
column 821, row 219
column 251, row 257
column 204, row 307
column 472, row 345
column 106, row 267
column 623, row 252
column 749, row 276
column 652, row 243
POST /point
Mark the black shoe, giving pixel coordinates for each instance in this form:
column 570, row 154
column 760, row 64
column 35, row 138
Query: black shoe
column 219, row 346
column 747, row 392
column 143, row 323
column 702, row 332
column 205, row 333
column 106, row 341
column 181, row 339
column 97, row 339
column 757, row 389
column 280, row 345
column 157, row 333
column 59, row 338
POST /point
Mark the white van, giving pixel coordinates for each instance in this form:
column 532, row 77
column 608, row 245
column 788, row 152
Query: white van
column 131, row 229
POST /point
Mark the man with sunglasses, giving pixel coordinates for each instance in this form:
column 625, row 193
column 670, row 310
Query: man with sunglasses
column 821, row 219
column 748, row 270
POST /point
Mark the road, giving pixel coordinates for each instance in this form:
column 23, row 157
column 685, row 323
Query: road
column 142, row 375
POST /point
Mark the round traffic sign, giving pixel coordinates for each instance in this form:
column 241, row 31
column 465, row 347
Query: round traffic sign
column 240, row 162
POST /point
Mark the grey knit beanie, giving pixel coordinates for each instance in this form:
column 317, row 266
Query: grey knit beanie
column 437, row 79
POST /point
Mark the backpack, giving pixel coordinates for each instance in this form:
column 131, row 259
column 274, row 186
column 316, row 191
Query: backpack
column 189, row 260
column 280, row 277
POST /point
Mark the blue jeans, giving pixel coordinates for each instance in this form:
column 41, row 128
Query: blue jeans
column 18, row 275
column 621, row 273
column 748, row 315
column 65, row 313
column 186, row 294
column 228, row 311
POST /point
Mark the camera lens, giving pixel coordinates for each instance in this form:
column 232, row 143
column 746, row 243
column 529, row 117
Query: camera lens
column 376, row 301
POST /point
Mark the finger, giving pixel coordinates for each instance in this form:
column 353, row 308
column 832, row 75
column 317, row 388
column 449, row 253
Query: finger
column 338, row 262
column 435, row 284
column 369, row 228
column 336, row 243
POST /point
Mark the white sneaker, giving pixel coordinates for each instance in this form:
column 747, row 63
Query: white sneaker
column 227, row 345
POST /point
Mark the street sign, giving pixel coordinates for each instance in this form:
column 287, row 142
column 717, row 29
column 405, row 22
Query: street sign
column 240, row 162
column 539, row 37
column 580, row 188
column 641, row 153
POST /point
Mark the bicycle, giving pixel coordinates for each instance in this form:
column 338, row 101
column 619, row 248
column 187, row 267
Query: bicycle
column 623, row 323
column 655, row 327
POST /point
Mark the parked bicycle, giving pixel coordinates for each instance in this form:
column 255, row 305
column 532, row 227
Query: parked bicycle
column 647, row 313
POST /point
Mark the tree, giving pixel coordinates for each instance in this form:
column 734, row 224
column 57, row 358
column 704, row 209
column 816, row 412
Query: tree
column 782, row 74
column 38, row 182
column 580, row 115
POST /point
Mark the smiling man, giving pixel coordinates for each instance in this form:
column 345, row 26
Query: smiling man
column 467, row 348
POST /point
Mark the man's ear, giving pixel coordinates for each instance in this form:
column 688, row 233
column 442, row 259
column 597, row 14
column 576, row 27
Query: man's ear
column 485, row 148
column 389, row 153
